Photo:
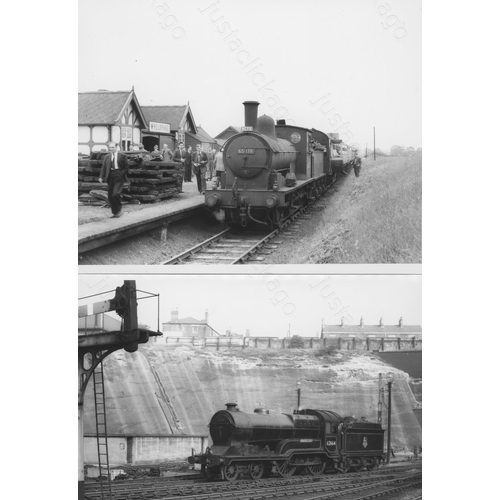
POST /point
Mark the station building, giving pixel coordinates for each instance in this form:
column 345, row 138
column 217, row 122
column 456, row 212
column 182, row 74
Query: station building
column 186, row 327
column 105, row 116
column 173, row 124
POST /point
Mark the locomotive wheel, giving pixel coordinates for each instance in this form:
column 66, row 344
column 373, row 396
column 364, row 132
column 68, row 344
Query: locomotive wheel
column 317, row 469
column 230, row 472
column 256, row 470
column 286, row 469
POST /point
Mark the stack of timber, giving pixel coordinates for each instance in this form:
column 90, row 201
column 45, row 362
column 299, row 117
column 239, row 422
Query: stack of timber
column 151, row 179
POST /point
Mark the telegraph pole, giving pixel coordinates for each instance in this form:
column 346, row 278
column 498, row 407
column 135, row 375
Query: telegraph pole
column 374, row 154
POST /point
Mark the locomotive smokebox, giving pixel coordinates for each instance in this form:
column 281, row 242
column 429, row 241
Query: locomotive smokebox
column 251, row 108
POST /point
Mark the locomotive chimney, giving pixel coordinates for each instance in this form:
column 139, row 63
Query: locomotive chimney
column 231, row 407
column 251, row 108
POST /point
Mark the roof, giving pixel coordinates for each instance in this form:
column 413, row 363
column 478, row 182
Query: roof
column 231, row 128
column 187, row 320
column 105, row 107
column 202, row 136
column 174, row 115
column 371, row 329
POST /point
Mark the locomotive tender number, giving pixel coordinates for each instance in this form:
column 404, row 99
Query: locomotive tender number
column 246, row 151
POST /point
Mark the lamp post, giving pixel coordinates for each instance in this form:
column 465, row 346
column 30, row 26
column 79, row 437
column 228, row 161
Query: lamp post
column 298, row 396
column 390, row 378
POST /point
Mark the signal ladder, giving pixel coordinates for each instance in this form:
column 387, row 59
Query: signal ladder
column 101, row 429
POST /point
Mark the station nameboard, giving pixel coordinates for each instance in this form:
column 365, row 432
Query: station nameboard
column 159, row 127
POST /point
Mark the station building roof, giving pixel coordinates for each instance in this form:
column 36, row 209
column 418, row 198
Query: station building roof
column 179, row 117
column 105, row 107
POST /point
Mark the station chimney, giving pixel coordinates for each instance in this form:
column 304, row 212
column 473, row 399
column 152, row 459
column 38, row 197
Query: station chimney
column 251, row 108
column 174, row 316
column 401, row 322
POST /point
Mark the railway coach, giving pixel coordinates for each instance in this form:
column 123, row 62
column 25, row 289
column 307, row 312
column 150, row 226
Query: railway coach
column 272, row 170
column 260, row 443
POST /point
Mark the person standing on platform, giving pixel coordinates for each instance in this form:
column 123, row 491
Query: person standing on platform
column 219, row 166
column 188, row 174
column 166, row 153
column 210, row 166
column 200, row 161
column 114, row 171
column 180, row 157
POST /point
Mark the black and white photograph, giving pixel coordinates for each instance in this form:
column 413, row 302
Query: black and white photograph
column 249, row 385
column 256, row 131
column 285, row 137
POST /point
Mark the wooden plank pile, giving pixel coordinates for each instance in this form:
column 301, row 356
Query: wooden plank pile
column 151, row 179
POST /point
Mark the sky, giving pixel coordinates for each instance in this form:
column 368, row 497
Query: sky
column 336, row 65
column 269, row 305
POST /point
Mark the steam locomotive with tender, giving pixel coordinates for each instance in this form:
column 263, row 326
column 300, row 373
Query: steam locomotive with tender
column 261, row 443
column 273, row 169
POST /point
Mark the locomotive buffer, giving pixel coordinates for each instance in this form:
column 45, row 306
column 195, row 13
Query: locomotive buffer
column 93, row 347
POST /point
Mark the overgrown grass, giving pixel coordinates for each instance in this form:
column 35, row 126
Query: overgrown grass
column 378, row 216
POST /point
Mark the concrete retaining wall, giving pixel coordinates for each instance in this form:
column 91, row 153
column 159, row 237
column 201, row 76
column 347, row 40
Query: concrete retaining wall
column 136, row 450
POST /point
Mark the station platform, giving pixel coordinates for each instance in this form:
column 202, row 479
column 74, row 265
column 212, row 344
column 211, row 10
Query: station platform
column 108, row 230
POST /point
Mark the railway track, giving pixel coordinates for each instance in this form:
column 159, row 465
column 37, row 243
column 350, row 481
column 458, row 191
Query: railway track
column 358, row 486
column 236, row 246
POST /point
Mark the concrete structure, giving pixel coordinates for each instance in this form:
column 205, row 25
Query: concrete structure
column 98, row 323
column 136, row 450
column 105, row 116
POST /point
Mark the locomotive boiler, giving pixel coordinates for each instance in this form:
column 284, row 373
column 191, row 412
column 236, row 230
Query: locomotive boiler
column 271, row 170
column 261, row 443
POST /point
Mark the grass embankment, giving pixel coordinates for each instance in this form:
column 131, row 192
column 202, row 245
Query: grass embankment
column 375, row 218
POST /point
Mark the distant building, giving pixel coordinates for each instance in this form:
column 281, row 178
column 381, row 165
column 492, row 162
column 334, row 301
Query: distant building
column 105, row 116
column 223, row 136
column 187, row 327
column 361, row 331
column 201, row 137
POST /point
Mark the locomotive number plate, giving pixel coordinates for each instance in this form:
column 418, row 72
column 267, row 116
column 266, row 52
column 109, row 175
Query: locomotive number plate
column 246, row 151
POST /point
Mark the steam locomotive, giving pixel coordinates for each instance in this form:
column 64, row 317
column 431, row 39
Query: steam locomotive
column 261, row 443
column 271, row 170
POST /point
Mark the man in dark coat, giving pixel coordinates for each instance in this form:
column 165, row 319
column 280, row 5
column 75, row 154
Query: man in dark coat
column 114, row 171
column 200, row 161
column 180, row 156
column 187, row 166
